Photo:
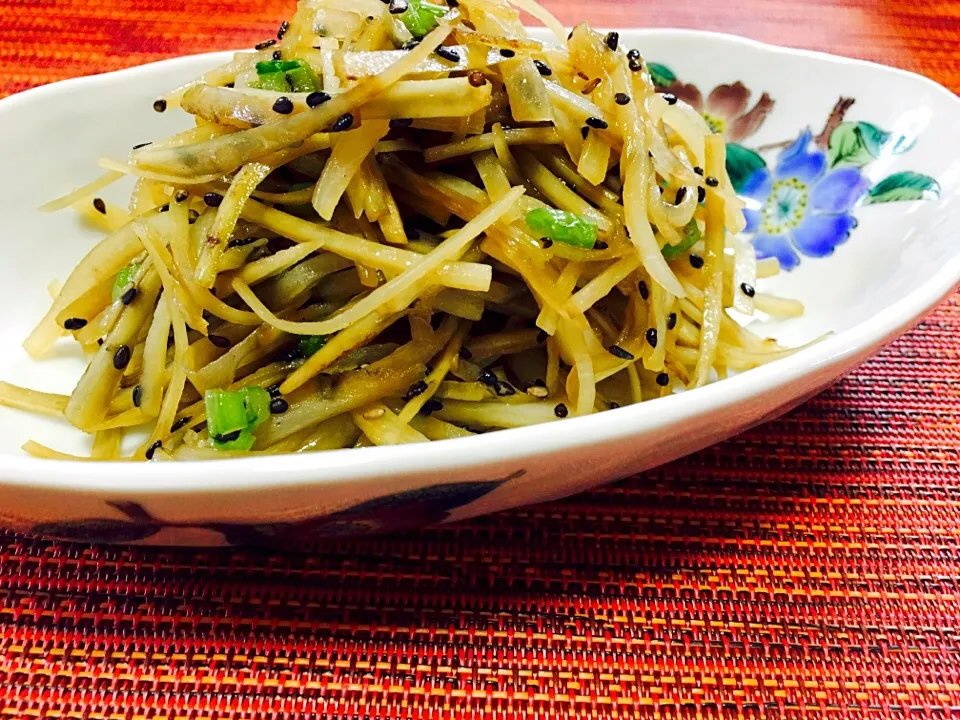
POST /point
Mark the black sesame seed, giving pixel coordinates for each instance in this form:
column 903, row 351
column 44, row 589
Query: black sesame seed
column 213, row 199
column 283, row 105
column 651, row 336
column 681, row 194
column 633, row 54
column 121, row 358
column 644, row 290
column 663, row 379
column 99, row 342
column 542, row 337
column 711, row 181
column 342, row 123
column 241, row 242
column 181, row 196
column 265, row 44
column 409, row 44
column 400, row 123
column 164, row 208
column 192, row 216
column 278, row 406
column 488, row 378
column 418, row 388
column 670, row 98
column 614, row 405
column 748, row 289
column 621, row 99
column 137, row 396
column 597, row 123
column 561, row 411
column 278, row 55
column 74, row 324
column 230, row 85
column 505, row 389
column 274, row 390
column 477, row 79
column 284, row 26
column 156, row 446
column 584, row 131
column 612, row 40
column 398, row 7
column 160, row 105
column 141, row 145
column 447, row 53
column 671, row 321
column 698, row 170
column 179, row 424
column 620, row 352
column 543, row 68
column 546, row 242
column 129, row 296
column 696, row 261
column 507, row 52
column 219, row 341
column 701, row 193
column 600, row 245
column 100, row 206
column 432, row 405
column 316, row 99
column 227, row 437
column 635, row 66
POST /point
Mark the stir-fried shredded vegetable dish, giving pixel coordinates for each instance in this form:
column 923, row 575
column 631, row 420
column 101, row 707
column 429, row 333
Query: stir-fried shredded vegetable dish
column 400, row 223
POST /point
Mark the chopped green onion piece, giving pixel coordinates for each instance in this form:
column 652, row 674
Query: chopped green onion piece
column 421, row 17
column 285, row 76
column 691, row 236
column 274, row 66
column 233, row 415
column 309, row 344
column 563, row 226
column 123, row 280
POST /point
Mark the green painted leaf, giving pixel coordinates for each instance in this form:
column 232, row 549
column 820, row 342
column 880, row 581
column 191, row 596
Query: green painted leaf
column 742, row 163
column 903, row 186
column 854, row 144
column 662, row 75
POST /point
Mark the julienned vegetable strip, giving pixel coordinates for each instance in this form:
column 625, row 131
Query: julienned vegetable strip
column 716, row 157
column 356, row 245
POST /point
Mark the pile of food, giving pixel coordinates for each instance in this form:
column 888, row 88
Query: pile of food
column 404, row 222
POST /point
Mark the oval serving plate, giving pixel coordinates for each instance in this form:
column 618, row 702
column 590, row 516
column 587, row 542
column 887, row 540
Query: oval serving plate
column 868, row 224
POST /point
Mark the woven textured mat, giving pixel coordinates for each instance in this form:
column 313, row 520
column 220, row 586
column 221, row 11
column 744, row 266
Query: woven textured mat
column 809, row 567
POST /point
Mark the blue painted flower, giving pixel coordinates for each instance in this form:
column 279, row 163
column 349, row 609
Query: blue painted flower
column 801, row 206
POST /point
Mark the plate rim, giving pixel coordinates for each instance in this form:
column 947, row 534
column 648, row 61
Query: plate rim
column 188, row 478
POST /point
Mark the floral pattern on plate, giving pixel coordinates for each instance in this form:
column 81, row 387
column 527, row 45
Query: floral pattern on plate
column 801, row 203
column 407, row 510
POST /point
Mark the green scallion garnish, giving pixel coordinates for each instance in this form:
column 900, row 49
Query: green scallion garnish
column 691, row 236
column 421, row 17
column 563, row 226
column 233, row 415
column 123, row 280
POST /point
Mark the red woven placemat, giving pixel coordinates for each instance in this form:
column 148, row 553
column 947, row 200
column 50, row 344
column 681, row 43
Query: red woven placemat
column 811, row 566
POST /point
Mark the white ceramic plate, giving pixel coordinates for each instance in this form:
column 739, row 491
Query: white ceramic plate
column 891, row 171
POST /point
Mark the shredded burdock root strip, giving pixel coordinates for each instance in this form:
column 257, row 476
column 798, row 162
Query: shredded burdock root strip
column 419, row 228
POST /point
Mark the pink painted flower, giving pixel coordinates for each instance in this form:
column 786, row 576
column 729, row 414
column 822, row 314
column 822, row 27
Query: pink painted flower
column 726, row 108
